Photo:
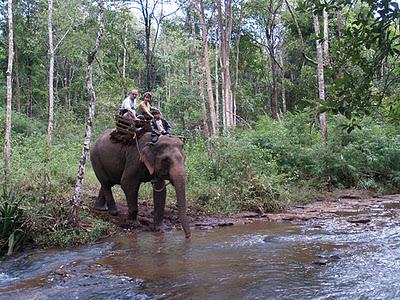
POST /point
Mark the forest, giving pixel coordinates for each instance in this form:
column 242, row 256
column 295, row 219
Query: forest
column 275, row 101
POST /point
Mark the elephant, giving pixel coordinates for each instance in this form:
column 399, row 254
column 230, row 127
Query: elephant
column 140, row 160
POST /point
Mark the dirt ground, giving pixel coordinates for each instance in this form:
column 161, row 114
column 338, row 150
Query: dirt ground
column 352, row 207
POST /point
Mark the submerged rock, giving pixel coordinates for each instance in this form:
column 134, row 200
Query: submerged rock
column 321, row 262
column 359, row 220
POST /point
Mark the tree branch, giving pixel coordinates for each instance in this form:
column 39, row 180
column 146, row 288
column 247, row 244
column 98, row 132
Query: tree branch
column 300, row 34
column 61, row 40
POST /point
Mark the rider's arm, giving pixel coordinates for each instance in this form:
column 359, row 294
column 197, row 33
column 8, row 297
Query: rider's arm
column 143, row 106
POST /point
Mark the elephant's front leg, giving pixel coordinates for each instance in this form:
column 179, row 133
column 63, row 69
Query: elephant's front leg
column 159, row 195
column 131, row 193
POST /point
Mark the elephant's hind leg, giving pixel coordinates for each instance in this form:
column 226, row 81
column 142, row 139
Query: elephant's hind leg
column 100, row 203
column 111, row 206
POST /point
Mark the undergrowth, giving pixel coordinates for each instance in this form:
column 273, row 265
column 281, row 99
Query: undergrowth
column 273, row 165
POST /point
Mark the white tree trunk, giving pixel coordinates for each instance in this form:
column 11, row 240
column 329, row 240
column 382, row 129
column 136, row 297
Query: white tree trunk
column 201, row 88
column 225, row 30
column 206, row 64
column 223, row 92
column 326, row 37
column 321, row 81
column 76, row 200
column 7, row 139
column 51, row 73
column 284, row 109
column 237, row 63
column 216, row 83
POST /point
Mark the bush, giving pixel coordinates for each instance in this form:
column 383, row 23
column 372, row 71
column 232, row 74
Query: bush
column 13, row 222
column 43, row 177
column 238, row 177
column 284, row 162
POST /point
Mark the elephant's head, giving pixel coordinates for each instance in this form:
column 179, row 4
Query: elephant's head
column 166, row 160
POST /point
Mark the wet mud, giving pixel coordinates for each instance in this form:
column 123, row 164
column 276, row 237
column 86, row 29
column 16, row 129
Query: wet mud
column 349, row 207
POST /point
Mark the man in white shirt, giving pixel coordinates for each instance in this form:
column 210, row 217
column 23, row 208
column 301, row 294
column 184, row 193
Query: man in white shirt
column 128, row 106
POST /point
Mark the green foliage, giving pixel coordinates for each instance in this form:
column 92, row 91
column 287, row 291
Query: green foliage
column 63, row 235
column 370, row 40
column 13, row 225
column 42, row 178
column 285, row 162
column 239, row 177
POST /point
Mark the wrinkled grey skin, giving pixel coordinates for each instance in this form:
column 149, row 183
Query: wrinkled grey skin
column 115, row 163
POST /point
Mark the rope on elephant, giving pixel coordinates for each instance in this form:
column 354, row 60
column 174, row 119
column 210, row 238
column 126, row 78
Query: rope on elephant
column 162, row 189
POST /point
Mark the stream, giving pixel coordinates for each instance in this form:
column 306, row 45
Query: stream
column 261, row 260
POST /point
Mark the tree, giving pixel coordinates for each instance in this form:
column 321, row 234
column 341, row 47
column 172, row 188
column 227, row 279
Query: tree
column 320, row 76
column 224, row 9
column 7, row 139
column 51, row 72
column 76, row 200
column 269, row 34
column 206, row 65
column 52, row 51
column 152, row 11
column 199, row 72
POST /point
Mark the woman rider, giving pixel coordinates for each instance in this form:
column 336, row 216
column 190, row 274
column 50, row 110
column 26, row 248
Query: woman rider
column 144, row 107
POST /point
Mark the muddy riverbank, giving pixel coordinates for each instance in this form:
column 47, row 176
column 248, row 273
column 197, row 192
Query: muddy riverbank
column 348, row 207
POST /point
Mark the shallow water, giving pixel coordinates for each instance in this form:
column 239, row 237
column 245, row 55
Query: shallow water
column 263, row 260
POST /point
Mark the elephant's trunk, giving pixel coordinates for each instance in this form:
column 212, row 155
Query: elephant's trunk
column 178, row 181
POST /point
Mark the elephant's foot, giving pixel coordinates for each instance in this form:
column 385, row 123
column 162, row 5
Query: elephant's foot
column 158, row 228
column 113, row 211
column 133, row 220
column 100, row 208
column 133, row 223
column 100, row 204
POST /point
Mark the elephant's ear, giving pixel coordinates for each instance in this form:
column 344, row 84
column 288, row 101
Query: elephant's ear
column 148, row 158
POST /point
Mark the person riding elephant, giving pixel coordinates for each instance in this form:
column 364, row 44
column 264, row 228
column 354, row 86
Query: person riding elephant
column 144, row 107
column 128, row 106
column 140, row 161
column 159, row 125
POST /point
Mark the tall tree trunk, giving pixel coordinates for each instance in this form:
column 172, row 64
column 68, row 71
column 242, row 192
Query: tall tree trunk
column 216, row 83
column 51, row 73
column 76, row 200
column 225, row 30
column 321, row 81
column 222, row 91
column 206, row 61
column 340, row 28
column 237, row 61
column 7, row 139
column 17, row 83
column 275, row 105
column 326, row 37
column 283, row 83
column 149, row 70
column 201, row 87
